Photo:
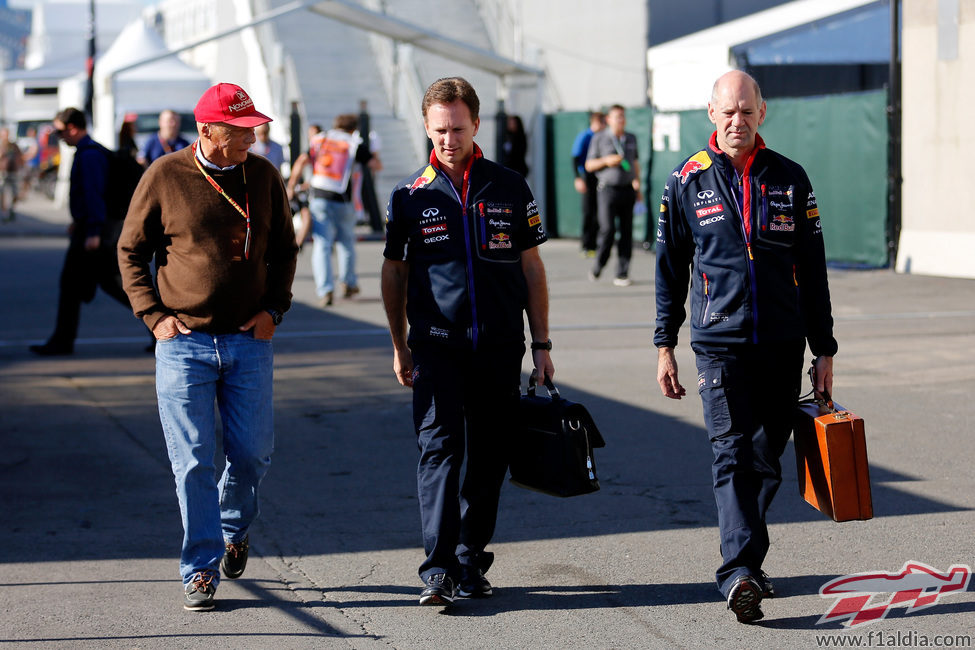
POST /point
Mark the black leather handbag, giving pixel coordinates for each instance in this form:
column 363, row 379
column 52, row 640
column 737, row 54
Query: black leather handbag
column 552, row 452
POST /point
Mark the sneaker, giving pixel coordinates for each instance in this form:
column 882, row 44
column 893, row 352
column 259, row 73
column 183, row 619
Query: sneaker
column 51, row 349
column 326, row 300
column 235, row 559
column 593, row 276
column 439, row 590
column 768, row 591
column 198, row 593
column 622, row 281
column 473, row 584
column 350, row 291
column 743, row 599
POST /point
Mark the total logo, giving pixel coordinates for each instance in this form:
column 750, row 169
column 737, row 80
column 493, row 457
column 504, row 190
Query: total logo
column 708, row 211
column 429, row 230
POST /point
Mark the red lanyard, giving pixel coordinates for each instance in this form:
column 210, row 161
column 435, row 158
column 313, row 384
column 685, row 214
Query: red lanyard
column 246, row 214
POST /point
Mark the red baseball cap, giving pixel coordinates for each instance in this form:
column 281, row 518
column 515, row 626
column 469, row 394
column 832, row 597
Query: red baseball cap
column 228, row 103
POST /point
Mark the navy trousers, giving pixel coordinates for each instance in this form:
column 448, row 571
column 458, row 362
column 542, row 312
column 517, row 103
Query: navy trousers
column 462, row 401
column 749, row 393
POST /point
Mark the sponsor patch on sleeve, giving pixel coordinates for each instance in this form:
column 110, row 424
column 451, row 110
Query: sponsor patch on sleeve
column 812, row 213
column 535, row 220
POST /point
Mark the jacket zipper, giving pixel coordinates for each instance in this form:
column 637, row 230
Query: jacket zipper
column 707, row 300
column 467, row 248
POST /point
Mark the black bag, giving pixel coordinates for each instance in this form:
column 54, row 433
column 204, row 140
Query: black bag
column 124, row 173
column 552, row 453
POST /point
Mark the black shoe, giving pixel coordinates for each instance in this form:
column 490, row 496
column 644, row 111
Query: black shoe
column 473, row 584
column 198, row 594
column 768, row 591
column 743, row 599
column 439, row 590
column 50, row 349
column 235, row 559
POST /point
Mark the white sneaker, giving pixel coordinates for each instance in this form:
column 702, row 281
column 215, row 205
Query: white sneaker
column 622, row 282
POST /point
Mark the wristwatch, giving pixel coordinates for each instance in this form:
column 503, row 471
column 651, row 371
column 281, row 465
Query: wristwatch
column 542, row 345
column 276, row 316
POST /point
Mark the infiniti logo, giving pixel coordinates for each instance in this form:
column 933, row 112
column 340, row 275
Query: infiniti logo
column 431, row 212
column 705, row 194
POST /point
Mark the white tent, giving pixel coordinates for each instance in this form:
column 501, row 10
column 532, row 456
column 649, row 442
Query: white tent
column 164, row 84
column 681, row 71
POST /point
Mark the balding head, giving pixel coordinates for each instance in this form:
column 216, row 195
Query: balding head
column 738, row 80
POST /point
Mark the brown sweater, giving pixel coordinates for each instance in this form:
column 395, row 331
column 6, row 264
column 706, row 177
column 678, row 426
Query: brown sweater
column 197, row 239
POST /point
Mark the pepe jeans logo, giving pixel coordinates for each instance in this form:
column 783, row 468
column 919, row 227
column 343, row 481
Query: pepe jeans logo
column 862, row 597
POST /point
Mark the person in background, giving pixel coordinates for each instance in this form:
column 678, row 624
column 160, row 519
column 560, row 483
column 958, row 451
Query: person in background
column 126, row 138
column 86, row 264
column 265, row 146
column 515, row 146
column 30, row 148
column 613, row 158
column 167, row 140
column 333, row 155
column 585, row 182
column 11, row 163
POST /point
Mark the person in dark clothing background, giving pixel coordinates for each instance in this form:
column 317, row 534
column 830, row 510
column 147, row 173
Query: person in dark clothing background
column 515, row 146
column 87, row 263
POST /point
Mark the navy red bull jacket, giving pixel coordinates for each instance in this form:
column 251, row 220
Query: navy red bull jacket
column 465, row 287
column 754, row 255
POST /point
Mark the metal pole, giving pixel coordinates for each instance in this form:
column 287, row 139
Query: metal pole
column 90, row 64
column 894, row 178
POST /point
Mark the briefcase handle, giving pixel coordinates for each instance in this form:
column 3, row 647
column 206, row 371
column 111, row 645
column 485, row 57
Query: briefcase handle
column 533, row 381
column 826, row 401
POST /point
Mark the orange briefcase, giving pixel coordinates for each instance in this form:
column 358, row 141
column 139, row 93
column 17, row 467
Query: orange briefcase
column 831, row 461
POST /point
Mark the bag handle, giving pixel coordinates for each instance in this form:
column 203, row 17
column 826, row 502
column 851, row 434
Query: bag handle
column 533, row 381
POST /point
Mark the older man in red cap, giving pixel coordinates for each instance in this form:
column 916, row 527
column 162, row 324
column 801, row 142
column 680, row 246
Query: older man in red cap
column 217, row 221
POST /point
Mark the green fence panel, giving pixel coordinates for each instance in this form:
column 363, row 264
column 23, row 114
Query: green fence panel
column 841, row 142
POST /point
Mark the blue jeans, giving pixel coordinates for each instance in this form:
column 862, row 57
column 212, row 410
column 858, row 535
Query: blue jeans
column 192, row 372
column 333, row 223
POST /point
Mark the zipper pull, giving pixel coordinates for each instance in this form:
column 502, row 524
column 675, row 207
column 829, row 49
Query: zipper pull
column 480, row 208
column 705, row 283
column 748, row 245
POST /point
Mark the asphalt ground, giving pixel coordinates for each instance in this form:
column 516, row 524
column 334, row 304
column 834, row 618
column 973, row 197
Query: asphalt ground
column 90, row 529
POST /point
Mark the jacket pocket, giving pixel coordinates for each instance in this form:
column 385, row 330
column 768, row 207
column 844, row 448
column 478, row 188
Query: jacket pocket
column 712, row 386
column 776, row 217
column 495, row 231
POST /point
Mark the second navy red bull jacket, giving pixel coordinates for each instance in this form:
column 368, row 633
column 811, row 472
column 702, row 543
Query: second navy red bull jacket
column 751, row 249
column 465, row 286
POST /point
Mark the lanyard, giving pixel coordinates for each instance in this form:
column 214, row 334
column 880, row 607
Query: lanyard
column 247, row 202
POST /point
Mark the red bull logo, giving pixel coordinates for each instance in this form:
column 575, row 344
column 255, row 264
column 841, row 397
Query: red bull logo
column 500, row 237
column 423, row 179
column 500, row 240
column 916, row 586
column 782, row 222
column 694, row 164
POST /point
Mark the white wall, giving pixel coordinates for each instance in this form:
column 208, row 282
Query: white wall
column 938, row 222
column 594, row 53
